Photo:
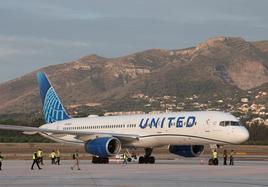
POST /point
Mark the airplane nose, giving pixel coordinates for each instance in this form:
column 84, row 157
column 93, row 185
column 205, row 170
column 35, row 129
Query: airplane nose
column 244, row 134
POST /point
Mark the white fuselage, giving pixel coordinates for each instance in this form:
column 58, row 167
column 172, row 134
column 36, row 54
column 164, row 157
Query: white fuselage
column 182, row 128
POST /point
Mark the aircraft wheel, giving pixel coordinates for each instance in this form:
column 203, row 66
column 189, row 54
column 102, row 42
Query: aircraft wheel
column 146, row 160
column 103, row 160
column 210, row 161
column 106, row 160
column 141, row 160
column 94, row 160
column 151, row 160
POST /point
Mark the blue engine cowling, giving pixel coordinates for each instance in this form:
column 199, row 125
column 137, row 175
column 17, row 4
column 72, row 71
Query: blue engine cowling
column 103, row 147
column 186, row 150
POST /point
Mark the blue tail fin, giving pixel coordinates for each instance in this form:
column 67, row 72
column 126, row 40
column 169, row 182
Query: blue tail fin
column 53, row 109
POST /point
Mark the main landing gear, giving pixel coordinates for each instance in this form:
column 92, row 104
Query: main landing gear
column 147, row 158
column 99, row 160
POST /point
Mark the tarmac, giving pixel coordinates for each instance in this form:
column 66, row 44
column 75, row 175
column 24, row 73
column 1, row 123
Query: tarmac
column 167, row 173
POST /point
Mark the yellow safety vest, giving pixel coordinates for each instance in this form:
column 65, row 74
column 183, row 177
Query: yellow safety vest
column 215, row 155
column 1, row 158
column 39, row 153
column 58, row 154
column 34, row 155
column 53, row 155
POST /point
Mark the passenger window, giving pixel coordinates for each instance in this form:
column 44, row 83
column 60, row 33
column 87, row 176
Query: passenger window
column 222, row 124
column 234, row 123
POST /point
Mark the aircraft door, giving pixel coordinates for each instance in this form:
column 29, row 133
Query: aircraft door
column 210, row 125
column 207, row 125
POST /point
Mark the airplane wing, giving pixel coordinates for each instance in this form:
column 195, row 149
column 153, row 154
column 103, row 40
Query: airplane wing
column 33, row 130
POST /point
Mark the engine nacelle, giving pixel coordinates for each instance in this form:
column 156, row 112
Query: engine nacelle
column 186, row 150
column 103, row 147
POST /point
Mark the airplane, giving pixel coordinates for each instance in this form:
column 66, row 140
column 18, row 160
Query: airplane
column 185, row 133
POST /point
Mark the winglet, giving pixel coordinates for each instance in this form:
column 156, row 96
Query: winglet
column 53, row 109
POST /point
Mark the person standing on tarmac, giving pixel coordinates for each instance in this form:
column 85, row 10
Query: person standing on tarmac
column 225, row 157
column 1, row 160
column 58, row 157
column 125, row 157
column 40, row 156
column 53, row 157
column 215, row 157
column 232, row 157
column 76, row 161
column 35, row 161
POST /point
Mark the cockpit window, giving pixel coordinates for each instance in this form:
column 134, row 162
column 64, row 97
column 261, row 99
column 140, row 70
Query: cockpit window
column 235, row 123
column 229, row 123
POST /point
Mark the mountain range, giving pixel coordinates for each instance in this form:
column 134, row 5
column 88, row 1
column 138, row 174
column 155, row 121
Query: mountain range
column 220, row 65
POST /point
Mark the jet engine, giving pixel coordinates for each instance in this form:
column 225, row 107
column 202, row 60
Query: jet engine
column 103, row 147
column 186, row 150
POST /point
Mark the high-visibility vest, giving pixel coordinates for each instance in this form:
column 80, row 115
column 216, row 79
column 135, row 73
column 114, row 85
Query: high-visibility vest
column 215, row 155
column 34, row 155
column 52, row 155
column 58, row 154
column 39, row 153
column 1, row 158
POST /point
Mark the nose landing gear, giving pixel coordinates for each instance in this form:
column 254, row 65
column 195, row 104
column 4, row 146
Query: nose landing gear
column 147, row 158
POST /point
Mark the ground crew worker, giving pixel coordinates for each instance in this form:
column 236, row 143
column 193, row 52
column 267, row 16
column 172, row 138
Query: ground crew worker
column 232, row 157
column 35, row 161
column 53, row 157
column 1, row 160
column 76, row 161
column 40, row 156
column 58, row 157
column 225, row 157
column 215, row 157
column 125, row 157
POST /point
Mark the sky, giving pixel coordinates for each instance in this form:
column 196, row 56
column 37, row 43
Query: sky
column 38, row 33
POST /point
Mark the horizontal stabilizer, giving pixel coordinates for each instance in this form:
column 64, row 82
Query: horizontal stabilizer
column 30, row 132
